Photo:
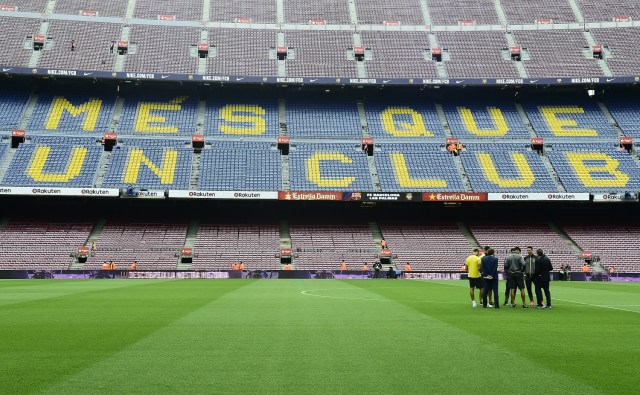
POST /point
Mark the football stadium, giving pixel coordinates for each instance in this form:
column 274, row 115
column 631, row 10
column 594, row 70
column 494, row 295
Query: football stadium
column 285, row 196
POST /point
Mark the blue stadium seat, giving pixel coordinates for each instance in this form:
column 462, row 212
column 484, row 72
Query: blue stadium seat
column 594, row 167
column 553, row 118
column 480, row 119
column 417, row 167
column 335, row 118
column 71, row 112
column 480, row 159
column 240, row 166
column 234, row 117
column 329, row 166
column 166, row 115
column 147, row 163
column 12, row 105
column 402, row 119
column 64, row 164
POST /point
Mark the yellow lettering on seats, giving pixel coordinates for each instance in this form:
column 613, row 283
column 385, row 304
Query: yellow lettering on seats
column 525, row 179
column 313, row 169
column 60, row 105
column 501, row 127
column 414, row 129
column 145, row 119
column 137, row 158
column 585, row 171
column 237, row 113
column 558, row 125
column 406, row 181
column 78, row 155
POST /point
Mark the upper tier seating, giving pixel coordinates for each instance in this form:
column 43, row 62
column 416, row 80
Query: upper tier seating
column 333, row 167
column 494, row 167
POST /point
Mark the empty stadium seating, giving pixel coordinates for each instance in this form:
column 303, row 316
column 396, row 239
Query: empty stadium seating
column 320, row 53
column 41, row 245
column 242, row 52
column 237, row 117
column 487, row 119
column 113, row 8
column 156, row 164
column 54, row 162
column 521, row 232
column 72, row 113
column 626, row 112
column 505, row 168
column 240, row 166
column 154, row 245
column 322, row 246
column 595, row 167
column 12, row 103
column 445, row 12
column 571, row 118
column 612, row 244
column 427, row 246
column 398, row 118
column 323, row 118
column 417, row 167
column 217, row 246
column 165, row 115
column 334, row 167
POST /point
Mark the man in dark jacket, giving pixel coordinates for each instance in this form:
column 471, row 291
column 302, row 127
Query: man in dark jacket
column 489, row 270
column 542, row 277
column 529, row 269
column 514, row 269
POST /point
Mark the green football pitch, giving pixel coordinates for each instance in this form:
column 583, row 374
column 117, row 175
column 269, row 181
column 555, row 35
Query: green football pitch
column 311, row 337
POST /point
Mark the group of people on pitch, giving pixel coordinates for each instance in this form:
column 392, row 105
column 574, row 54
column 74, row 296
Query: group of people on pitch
column 519, row 271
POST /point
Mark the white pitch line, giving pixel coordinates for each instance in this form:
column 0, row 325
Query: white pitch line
column 306, row 293
column 598, row 305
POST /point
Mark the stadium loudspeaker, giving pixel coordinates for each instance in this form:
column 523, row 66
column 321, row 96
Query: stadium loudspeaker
column 537, row 144
column 283, row 145
column 110, row 139
column 197, row 142
column 17, row 137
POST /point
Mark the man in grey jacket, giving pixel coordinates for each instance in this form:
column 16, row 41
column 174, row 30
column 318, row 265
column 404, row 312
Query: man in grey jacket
column 514, row 269
column 529, row 268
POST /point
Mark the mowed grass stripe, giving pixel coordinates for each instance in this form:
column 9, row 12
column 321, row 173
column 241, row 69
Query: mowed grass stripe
column 25, row 291
column 570, row 339
column 50, row 339
column 269, row 337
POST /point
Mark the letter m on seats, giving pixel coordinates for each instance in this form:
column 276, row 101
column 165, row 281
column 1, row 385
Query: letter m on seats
column 60, row 106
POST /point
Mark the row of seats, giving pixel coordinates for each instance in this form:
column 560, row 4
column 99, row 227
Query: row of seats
column 258, row 166
column 177, row 115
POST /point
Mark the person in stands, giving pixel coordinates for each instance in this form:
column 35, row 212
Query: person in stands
column 407, row 268
column 585, row 268
column 365, row 267
column 343, row 266
column 383, row 243
column 241, row 266
column 134, row 265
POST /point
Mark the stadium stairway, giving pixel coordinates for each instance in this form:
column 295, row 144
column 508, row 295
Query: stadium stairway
column 189, row 242
column 6, row 162
column 194, row 177
column 28, row 111
column 468, row 235
column 443, row 120
column 572, row 244
column 285, row 238
column 554, row 174
column 377, row 238
column 93, row 237
column 610, row 118
column 103, row 166
column 604, row 66
column 522, row 72
column 525, row 119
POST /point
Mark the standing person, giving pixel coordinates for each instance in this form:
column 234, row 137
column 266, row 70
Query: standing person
column 483, row 252
column 475, row 279
column 343, row 266
column 514, row 266
column 507, row 290
column 377, row 266
column 365, row 267
column 489, row 270
column 73, row 45
column 542, row 277
column 407, row 268
column 529, row 269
